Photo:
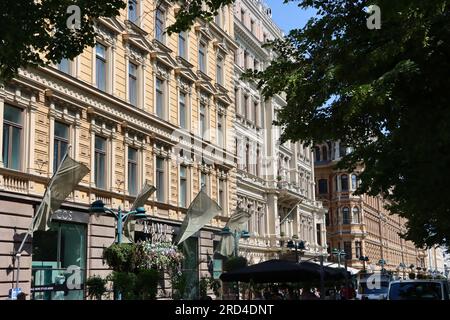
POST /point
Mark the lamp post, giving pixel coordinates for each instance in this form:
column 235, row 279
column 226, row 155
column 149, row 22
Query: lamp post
column 236, row 236
column 339, row 253
column 364, row 259
column 300, row 246
column 382, row 263
column 121, row 217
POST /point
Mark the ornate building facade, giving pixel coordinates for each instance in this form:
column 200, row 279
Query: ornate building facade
column 140, row 105
column 274, row 181
column 359, row 225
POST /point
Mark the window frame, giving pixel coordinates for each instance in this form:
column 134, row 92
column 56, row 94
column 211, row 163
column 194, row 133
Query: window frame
column 59, row 140
column 183, row 183
column 220, row 63
column 104, row 60
column 136, row 79
column 135, row 163
column 98, row 154
column 12, row 125
column 136, row 10
column 160, row 37
column 203, row 56
column 160, row 176
column 162, row 91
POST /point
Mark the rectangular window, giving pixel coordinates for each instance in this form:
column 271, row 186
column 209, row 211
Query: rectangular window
column 323, row 186
column 358, row 249
column 132, row 83
column 204, row 181
column 319, row 234
column 159, row 25
column 132, row 171
column 219, row 70
column 252, row 26
column 245, row 59
column 182, row 45
column 183, row 186
column 100, row 162
column 221, row 198
column 160, row 98
column 12, row 137
column 133, row 15
column 160, row 179
column 202, row 57
column 245, row 107
column 348, row 249
column 182, row 106
column 242, row 16
column 202, row 120
column 64, row 65
column 100, row 65
column 60, row 143
column 220, row 135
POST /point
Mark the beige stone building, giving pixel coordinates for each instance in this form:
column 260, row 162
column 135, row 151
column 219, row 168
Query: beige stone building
column 140, row 105
column 359, row 225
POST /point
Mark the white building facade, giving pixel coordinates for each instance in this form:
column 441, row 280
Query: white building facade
column 274, row 181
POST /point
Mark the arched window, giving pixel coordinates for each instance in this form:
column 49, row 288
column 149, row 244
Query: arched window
column 356, row 215
column 345, row 215
column 317, row 153
column 324, row 153
column 354, row 181
column 344, row 182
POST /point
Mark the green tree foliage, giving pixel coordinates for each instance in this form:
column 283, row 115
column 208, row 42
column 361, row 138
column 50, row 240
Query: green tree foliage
column 35, row 33
column 384, row 92
column 96, row 287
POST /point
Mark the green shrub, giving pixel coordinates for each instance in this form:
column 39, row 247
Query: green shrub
column 147, row 284
column 96, row 287
column 179, row 286
column 125, row 283
column 122, row 257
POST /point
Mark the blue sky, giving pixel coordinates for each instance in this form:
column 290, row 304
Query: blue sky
column 289, row 16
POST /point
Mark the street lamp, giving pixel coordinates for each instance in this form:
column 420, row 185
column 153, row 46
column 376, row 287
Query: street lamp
column 339, row 253
column 121, row 216
column 382, row 263
column 292, row 244
column 244, row 234
column 364, row 259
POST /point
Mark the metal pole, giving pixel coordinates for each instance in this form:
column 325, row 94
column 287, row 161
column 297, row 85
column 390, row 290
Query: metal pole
column 322, row 280
column 119, row 226
column 236, row 255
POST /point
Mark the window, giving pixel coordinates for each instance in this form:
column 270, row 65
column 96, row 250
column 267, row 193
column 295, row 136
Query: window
column 346, row 216
column 354, row 181
column 132, row 171
column 252, row 25
column 160, row 179
column 247, row 158
column 355, row 215
column 183, row 186
column 60, row 143
column 327, row 218
column 204, row 181
column 64, row 65
column 219, row 70
column 159, row 25
column 324, row 153
column 12, row 137
column 220, row 135
column 256, row 65
column 182, row 44
column 258, row 164
column 202, row 127
column 344, row 182
column 182, row 110
column 100, row 65
column 245, row 59
column 342, row 149
column 358, row 249
column 100, row 162
column 218, row 19
column 202, row 57
column 133, row 15
column 323, row 186
column 221, row 198
column 319, row 233
column 317, row 153
column 160, row 98
column 242, row 16
column 132, row 83
column 348, row 249
column 245, row 106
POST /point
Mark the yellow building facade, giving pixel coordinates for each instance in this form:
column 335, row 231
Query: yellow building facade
column 140, row 106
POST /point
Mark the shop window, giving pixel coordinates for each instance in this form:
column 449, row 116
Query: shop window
column 59, row 253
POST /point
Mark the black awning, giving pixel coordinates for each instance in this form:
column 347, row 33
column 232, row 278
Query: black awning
column 282, row 271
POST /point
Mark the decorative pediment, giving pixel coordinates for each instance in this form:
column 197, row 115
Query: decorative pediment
column 203, row 31
column 137, row 37
column 205, row 86
column 164, row 57
column 162, row 71
column 222, row 95
column 184, row 84
column 113, row 24
column 136, row 54
column 184, row 69
column 221, row 46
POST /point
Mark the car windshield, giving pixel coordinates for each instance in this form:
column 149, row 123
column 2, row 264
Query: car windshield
column 415, row 291
column 373, row 288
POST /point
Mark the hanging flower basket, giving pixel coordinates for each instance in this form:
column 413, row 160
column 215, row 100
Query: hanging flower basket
column 160, row 256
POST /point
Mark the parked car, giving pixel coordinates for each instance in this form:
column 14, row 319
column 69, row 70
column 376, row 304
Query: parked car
column 419, row 290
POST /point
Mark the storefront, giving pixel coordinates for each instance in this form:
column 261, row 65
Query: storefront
column 59, row 257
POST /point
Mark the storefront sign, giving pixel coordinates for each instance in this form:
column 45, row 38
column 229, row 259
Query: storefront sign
column 70, row 216
column 158, row 232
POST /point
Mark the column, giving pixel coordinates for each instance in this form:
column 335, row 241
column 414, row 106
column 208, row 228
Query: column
column 31, row 134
